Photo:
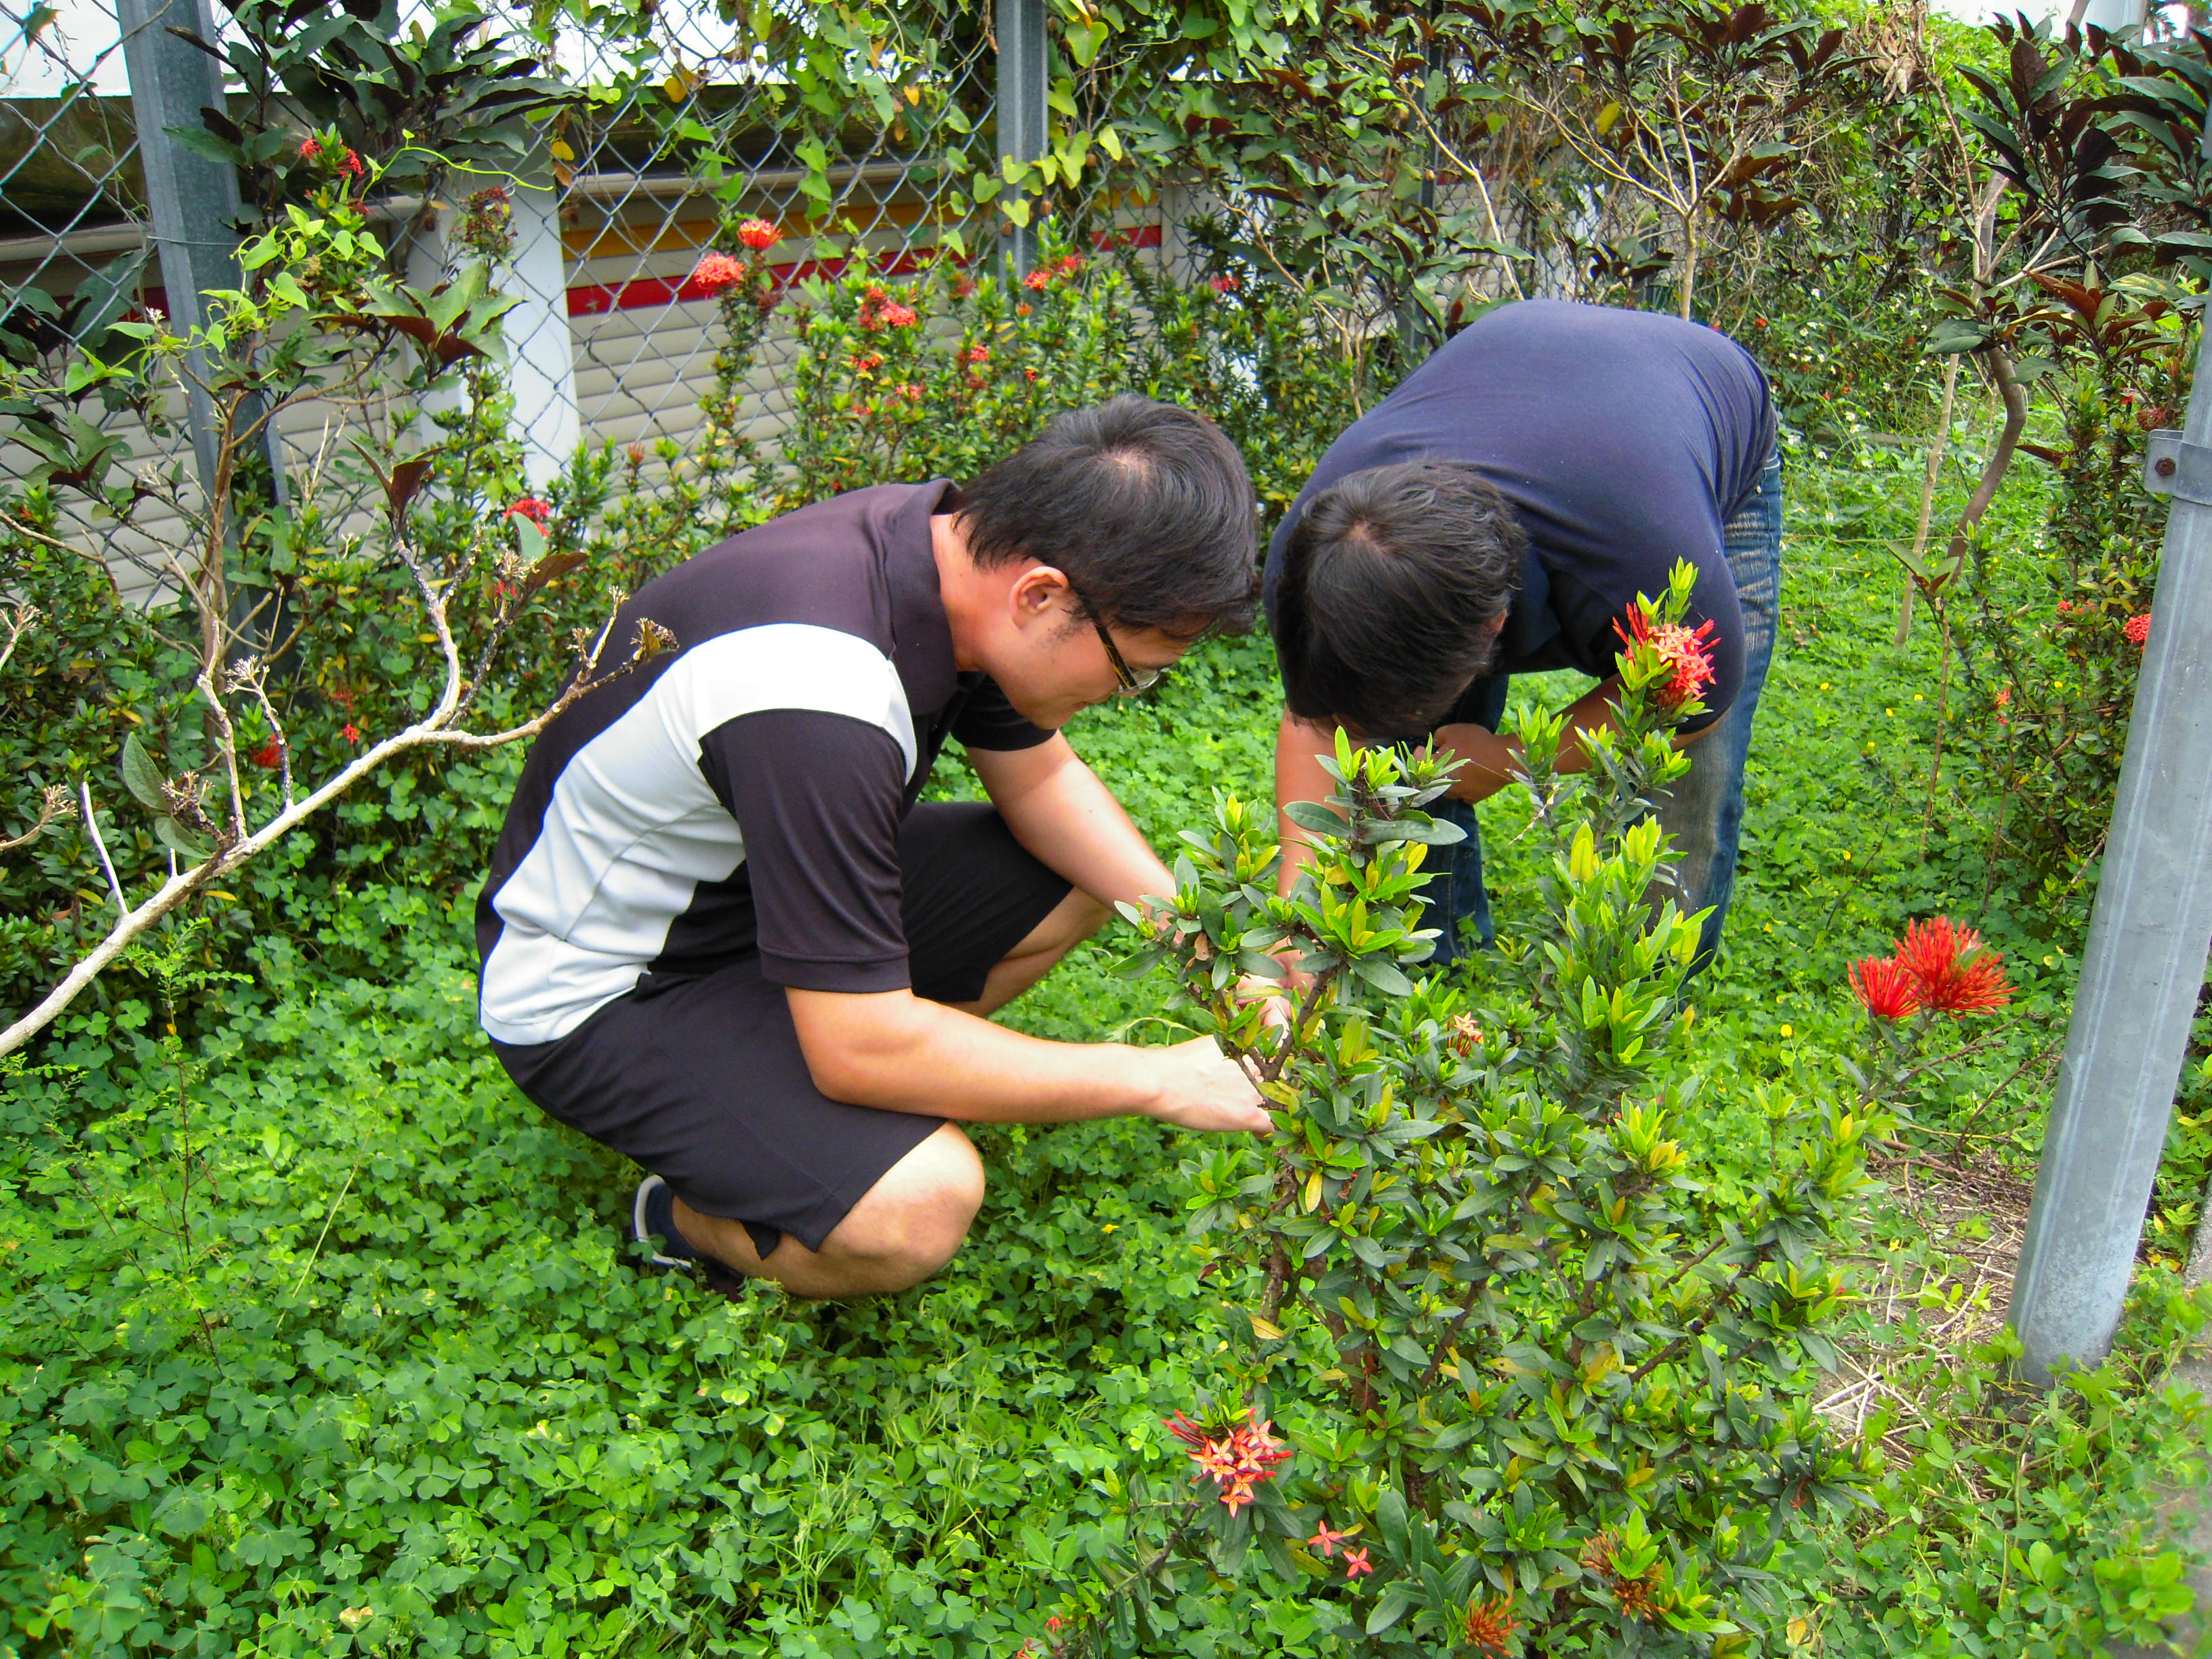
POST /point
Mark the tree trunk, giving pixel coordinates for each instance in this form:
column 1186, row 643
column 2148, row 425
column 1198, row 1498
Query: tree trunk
column 1689, row 285
column 1928, row 497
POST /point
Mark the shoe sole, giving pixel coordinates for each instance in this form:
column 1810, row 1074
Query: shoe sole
column 656, row 1262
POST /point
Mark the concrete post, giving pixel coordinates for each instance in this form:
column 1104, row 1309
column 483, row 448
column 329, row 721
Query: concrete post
column 2148, row 936
column 1024, row 81
column 543, row 372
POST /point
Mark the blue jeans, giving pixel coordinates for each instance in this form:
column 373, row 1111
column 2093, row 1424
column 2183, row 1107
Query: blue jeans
column 1703, row 811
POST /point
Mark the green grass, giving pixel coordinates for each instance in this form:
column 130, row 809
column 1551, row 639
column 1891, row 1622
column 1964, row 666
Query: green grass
column 320, row 1339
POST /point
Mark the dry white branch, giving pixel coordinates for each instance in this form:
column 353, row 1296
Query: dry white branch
column 433, row 729
column 92, row 826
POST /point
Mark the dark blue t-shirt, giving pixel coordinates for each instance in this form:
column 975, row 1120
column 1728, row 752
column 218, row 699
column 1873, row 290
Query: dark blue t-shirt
column 1624, row 440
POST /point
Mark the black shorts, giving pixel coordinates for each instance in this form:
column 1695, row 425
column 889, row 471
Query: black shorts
column 701, row 1078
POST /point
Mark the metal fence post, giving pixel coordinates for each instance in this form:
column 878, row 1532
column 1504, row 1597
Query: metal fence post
column 1024, row 84
column 2148, row 936
column 192, row 202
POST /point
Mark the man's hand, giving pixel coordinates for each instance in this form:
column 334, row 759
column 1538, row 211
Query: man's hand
column 1492, row 761
column 1201, row 1088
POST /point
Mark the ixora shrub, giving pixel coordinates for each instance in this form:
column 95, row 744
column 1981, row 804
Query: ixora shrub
column 1509, row 1378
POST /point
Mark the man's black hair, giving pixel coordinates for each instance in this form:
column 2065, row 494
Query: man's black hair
column 1146, row 509
column 1392, row 587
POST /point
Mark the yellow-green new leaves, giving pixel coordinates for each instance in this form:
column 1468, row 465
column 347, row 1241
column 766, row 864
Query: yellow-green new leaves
column 1480, row 1241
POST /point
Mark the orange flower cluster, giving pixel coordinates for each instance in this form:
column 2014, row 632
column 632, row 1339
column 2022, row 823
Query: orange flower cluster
column 1880, row 983
column 1631, row 1595
column 1491, row 1625
column 1687, row 652
column 348, row 164
column 716, row 273
column 1939, row 966
column 879, row 311
column 2138, row 630
column 759, row 235
column 1466, row 1036
column 1237, row 1460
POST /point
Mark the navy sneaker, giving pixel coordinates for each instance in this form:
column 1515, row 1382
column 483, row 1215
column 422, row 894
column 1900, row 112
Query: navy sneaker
column 652, row 1224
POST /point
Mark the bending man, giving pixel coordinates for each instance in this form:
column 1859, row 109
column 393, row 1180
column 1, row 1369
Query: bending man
column 1498, row 515
column 720, row 935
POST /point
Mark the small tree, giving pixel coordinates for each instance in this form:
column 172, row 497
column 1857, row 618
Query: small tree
column 1699, row 111
column 1534, row 1373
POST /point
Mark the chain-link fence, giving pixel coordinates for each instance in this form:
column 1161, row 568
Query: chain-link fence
column 692, row 127
column 75, row 245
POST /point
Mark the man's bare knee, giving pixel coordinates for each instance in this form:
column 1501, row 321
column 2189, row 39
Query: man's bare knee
column 913, row 1220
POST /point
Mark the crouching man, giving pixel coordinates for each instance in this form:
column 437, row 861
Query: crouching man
column 721, row 936
column 1498, row 515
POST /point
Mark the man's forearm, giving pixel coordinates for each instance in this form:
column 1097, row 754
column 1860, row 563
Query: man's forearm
column 1298, row 746
column 901, row 1053
column 1069, row 821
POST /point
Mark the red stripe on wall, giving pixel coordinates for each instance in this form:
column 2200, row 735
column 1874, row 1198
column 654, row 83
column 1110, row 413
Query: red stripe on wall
column 591, row 299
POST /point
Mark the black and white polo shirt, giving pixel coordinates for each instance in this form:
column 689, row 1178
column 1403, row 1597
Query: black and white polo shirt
column 743, row 792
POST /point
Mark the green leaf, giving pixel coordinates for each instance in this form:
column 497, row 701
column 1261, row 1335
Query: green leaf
column 202, row 142
column 1390, row 1518
column 1382, row 976
column 170, row 833
column 140, row 776
column 1311, row 815
column 532, row 539
column 1390, row 1609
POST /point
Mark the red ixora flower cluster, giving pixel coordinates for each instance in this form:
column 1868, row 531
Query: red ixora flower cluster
column 1224, row 284
column 268, row 755
column 1688, row 651
column 717, row 274
column 759, row 235
column 976, row 355
column 1939, row 966
column 348, row 164
column 1237, row 1459
column 879, row 311
column 538, row 513
column 2138, row 630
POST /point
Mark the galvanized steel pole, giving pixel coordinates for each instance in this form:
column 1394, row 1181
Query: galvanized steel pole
column 2144, row 963
column 1024, row 84
column 192, row 200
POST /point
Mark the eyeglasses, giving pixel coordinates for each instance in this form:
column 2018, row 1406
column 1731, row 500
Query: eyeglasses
column 1127, row 681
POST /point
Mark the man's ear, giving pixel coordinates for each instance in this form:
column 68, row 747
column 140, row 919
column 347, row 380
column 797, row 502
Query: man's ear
column 1038, row 592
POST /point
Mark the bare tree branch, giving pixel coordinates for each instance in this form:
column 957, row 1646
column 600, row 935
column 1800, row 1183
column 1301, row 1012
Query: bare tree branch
column 53, row 803
column 432, row 729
